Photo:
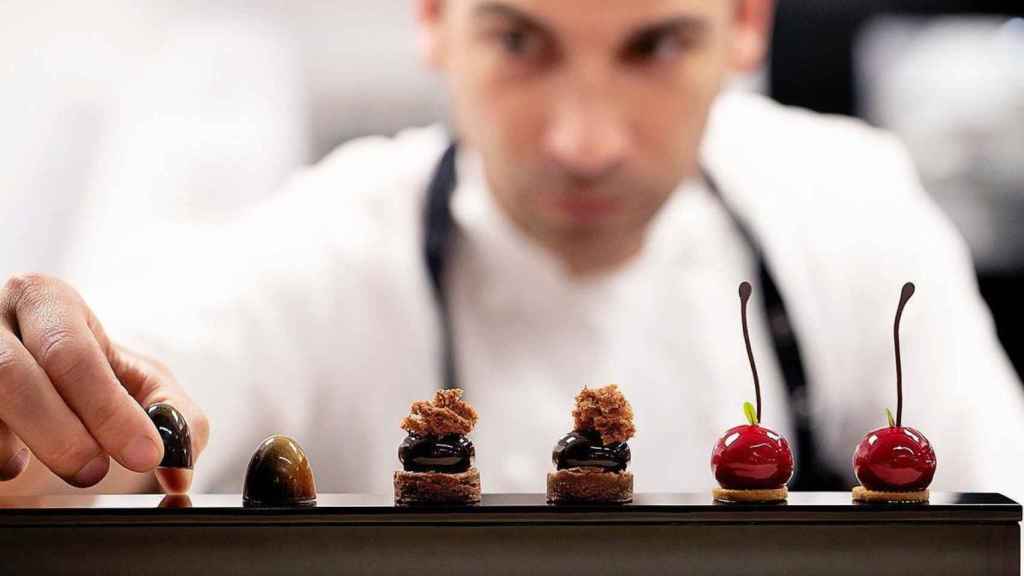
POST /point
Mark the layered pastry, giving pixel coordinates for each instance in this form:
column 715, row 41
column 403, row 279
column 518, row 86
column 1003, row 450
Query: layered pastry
column 751, row 463
column 895, row 463
column 437, row 457
column 591, row 460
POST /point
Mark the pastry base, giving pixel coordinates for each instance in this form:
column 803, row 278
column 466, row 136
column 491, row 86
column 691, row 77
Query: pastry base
column 862, row 494
column 589, row 485
column 413, row 488
column 756, row 496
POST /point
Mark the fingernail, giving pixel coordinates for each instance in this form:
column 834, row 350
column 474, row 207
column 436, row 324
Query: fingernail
column 141, row 454
column 15, row 466
column 92, row 473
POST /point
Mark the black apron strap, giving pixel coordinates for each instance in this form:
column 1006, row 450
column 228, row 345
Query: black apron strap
column 438, row 238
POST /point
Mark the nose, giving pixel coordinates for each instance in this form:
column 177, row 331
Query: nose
column 585, row 136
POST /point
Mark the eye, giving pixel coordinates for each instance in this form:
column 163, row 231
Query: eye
column 515, row 41
column 521, row 43
column 654, row 46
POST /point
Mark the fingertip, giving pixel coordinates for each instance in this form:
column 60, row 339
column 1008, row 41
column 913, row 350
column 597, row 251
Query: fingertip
column 174, row 480
column 15, row 466
column 142, row 454
column 91, row 473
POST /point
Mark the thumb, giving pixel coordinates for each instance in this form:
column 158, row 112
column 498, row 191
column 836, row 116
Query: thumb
column 150, row 383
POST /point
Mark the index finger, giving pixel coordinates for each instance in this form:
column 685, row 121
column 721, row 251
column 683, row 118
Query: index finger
column 54, row 326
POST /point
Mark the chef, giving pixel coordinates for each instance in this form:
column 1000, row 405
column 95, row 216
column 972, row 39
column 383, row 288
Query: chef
column 584, row 220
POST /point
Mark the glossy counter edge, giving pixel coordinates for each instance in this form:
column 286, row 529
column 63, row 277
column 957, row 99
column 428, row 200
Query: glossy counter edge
column 825, row 508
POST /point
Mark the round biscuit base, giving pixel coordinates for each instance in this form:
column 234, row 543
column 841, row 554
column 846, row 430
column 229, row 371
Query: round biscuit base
column 589, row 485
column 862, row 494
column 413, row 488
column 750, row 496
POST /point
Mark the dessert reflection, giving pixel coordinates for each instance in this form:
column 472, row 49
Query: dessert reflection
column 176, row 501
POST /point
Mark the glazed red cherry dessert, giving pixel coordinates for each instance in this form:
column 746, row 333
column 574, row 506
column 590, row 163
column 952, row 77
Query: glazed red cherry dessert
column 751, row 463
column 894, row 459
column 895, row 463
column 752, row 458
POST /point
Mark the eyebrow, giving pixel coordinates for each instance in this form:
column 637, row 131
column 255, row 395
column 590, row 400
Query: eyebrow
column 500, row 10
column 683, row 25
column 690, row 26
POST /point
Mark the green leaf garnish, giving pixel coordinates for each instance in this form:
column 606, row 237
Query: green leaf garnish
column 892, row 421
column 751, row 413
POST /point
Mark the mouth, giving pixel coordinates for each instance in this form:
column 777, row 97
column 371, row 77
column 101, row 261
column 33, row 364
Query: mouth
column 585, row 208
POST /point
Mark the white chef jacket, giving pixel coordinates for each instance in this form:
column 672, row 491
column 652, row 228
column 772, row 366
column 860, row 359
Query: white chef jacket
column 312, row 316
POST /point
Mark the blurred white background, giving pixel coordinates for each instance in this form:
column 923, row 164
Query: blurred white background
column 953, row 90
column 184, row 110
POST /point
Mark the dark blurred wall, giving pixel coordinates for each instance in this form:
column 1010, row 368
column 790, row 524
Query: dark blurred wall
column 812, row 65
column 812, row 51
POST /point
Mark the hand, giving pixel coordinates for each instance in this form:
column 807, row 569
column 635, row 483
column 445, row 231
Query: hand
column 71, row 398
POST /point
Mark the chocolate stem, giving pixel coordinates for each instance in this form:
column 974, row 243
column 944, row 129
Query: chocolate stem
column 745, row 291
column 908, row 291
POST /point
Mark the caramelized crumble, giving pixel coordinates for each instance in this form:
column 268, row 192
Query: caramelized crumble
column 445, row 415
column 606, row 411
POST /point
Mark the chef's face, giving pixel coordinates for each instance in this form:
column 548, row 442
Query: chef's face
column 588, row 113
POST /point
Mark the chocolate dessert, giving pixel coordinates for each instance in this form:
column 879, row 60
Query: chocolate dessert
column 591, row 460
column 437, row 457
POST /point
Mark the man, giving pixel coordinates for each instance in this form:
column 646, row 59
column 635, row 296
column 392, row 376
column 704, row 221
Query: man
column 606, row 199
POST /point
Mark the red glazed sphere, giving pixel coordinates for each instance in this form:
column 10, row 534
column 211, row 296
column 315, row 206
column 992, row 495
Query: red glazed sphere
column 894, row 459
column 752, row 458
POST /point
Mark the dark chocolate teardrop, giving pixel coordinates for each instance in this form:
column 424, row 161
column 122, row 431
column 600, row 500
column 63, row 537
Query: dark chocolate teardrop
column 279, row 474
column 175, row 434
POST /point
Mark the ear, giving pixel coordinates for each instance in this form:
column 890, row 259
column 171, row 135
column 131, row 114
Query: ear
column 430, row 17
column 753, row 25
